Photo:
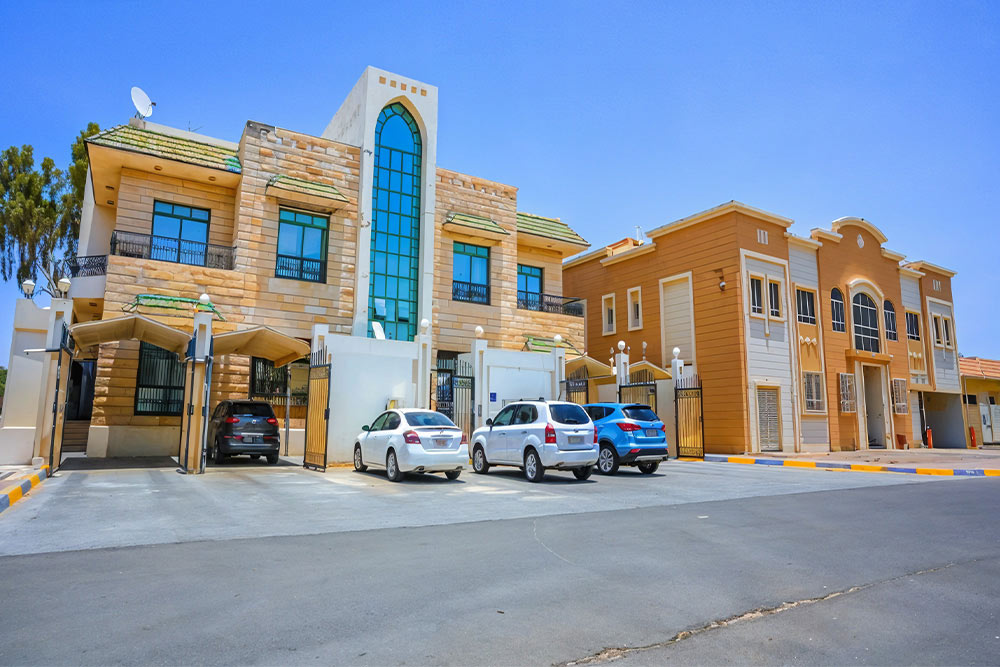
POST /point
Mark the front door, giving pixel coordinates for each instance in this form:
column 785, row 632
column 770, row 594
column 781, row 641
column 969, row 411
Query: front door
column 768, row 423
column 874, row 407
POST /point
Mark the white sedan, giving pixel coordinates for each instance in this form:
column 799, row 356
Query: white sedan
column 411, row 440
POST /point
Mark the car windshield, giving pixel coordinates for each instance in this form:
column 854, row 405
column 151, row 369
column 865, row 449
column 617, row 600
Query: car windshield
column 568, row 413
column 428, row 419
column 252, row 410
column 641, row 413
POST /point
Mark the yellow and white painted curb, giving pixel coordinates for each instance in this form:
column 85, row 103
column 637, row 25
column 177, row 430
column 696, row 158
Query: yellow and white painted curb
column 12, row 494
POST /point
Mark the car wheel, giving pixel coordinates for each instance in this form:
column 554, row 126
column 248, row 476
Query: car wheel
column 479, row 462
column 254, row 457
column 649, row 467
column 359, row 465
column 392, row 467
column 217, row 454
column 272, row 459
column 583, row 473
column 607, row 460
column 533, row 468
column 453, row 474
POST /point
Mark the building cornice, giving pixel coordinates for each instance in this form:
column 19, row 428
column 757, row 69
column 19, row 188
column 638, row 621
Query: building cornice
column 722, row 209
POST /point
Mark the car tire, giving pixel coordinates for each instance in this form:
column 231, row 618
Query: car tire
column 359, row 464
column 392, row 470
column 607, row 460
column 649, row 467
column 534, row 471
column 583, row 473
column 453, row 474
column 272, row 459
column 217, row 454
column 479, row 463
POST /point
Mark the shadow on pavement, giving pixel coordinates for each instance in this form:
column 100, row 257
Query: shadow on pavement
column 117, row 462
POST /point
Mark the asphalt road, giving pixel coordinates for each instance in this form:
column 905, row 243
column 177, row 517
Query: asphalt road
column 902, row 573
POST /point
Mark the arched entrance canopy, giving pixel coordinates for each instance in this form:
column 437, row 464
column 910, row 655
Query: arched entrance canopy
column 645, row 365
column 595, row 370
column 89, row 335
column 260, row 342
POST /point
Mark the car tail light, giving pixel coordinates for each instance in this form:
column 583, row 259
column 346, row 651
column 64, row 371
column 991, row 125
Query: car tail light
column 272, row 420
column 633, row 451
column 465, row 439
column 664, row 429
column 595, row 435
column 232, row 420
column 550, row 434
column 627, row 427
column 411, row 438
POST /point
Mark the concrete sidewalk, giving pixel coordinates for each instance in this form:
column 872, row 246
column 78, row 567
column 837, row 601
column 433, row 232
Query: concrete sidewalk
column 974, row 462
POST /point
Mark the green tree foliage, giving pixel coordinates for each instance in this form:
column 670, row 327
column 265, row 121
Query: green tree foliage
column 3, row 381
column 40, row 210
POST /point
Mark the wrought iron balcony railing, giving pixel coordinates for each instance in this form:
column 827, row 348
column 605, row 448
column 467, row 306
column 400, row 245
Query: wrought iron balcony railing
column 297, row 268
column 470, row 292
column 166, row 249
column 550, row 303
column 86, row 266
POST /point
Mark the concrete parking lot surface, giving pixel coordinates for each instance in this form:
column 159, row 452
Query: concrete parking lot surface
column 821, row 567
column 127, row 506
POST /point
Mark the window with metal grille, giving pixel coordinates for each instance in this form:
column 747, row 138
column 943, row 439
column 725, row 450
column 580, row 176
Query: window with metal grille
column 301, row 246
column 812, row 390
column 912, row 326
column 890, row 320
column 837, row 320
column 756, row 296
column 470, row 273
column 806, row 306
column 774, row 299
column 159, row 382
column 865, row 323
column 899, row 403
column 848, row 393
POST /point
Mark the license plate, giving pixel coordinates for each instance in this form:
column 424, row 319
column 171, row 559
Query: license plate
column 652, row 432
column 251, row 440
column 440, row 442
column 575, row 439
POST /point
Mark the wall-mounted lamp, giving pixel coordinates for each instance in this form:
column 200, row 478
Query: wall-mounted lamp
column 722, row 285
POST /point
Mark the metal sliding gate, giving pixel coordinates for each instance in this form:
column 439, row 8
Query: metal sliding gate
column 455, row 392
column 317, row 412
column 689, row 417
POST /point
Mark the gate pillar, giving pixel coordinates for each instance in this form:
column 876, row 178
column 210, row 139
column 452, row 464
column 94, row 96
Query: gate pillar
column 198, row 381
column 423, row 398
column 480, row 372
column 621, row 365
column 558, row 369
column 676, row 373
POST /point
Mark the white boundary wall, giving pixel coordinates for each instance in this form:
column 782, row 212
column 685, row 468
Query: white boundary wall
column 503, row 376
column 23, row 396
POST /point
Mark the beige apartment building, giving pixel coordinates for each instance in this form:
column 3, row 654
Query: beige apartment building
column 355, row 227
column 826, row 342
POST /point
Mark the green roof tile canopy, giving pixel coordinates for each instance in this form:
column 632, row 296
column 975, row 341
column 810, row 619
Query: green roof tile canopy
column 476, row 222
column 545, row 344
column 302, row 186
column 551, row 228
column 147, row 142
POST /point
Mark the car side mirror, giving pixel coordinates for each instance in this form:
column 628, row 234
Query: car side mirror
column 365, row 427
column 489, row 422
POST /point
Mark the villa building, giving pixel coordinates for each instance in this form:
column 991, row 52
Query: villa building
column 831, row 342
column 356, row 228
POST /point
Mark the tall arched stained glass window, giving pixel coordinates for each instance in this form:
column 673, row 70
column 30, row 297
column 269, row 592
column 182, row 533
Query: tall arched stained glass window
column 395, row 247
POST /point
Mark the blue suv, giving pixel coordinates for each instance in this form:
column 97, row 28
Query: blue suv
column 629, row 434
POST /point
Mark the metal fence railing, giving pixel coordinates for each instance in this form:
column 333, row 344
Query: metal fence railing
column 167, row 249
column 472, row 292
column 86, row 266
column 550, row 303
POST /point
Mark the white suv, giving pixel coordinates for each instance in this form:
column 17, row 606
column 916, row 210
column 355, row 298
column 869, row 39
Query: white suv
column 535, row 435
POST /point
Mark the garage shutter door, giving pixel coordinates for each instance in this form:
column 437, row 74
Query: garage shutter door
column 767, row 420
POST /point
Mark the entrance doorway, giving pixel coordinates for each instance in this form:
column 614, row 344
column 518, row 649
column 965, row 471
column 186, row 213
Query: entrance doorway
column 768, row 423
column 874, row 407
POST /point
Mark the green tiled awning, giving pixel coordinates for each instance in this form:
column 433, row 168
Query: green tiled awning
column 551, row 228
column 302, row 186
column 476, row 222
column 544, row 344
column 147, row 142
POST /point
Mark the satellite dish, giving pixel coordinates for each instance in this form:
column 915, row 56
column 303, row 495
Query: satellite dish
column 142, row 103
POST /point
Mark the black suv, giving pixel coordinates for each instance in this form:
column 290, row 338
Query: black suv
column 243, row 427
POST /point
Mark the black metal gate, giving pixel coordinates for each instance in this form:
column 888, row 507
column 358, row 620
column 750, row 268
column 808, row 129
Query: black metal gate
column 689, row 417
column 317, row 412
column 455, row 392
column 64, row 361
column 576, row 390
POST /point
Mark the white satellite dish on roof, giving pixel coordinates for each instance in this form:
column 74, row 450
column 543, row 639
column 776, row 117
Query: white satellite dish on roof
column 143, row 105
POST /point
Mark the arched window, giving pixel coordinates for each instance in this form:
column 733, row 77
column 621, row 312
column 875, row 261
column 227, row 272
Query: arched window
column 395, row 245
column 890, row 320
column 865, row 315
column 837, row 310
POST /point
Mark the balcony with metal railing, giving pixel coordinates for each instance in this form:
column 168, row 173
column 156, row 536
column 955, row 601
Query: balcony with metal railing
column 470, row 292
column 167, row 249
column 550, row 303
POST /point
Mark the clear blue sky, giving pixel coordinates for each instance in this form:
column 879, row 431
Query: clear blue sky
column 606, row 116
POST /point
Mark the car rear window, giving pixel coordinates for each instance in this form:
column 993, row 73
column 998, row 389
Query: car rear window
column 251, row 410
column 568, row 413
column 428, row 419
column 641, row 413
